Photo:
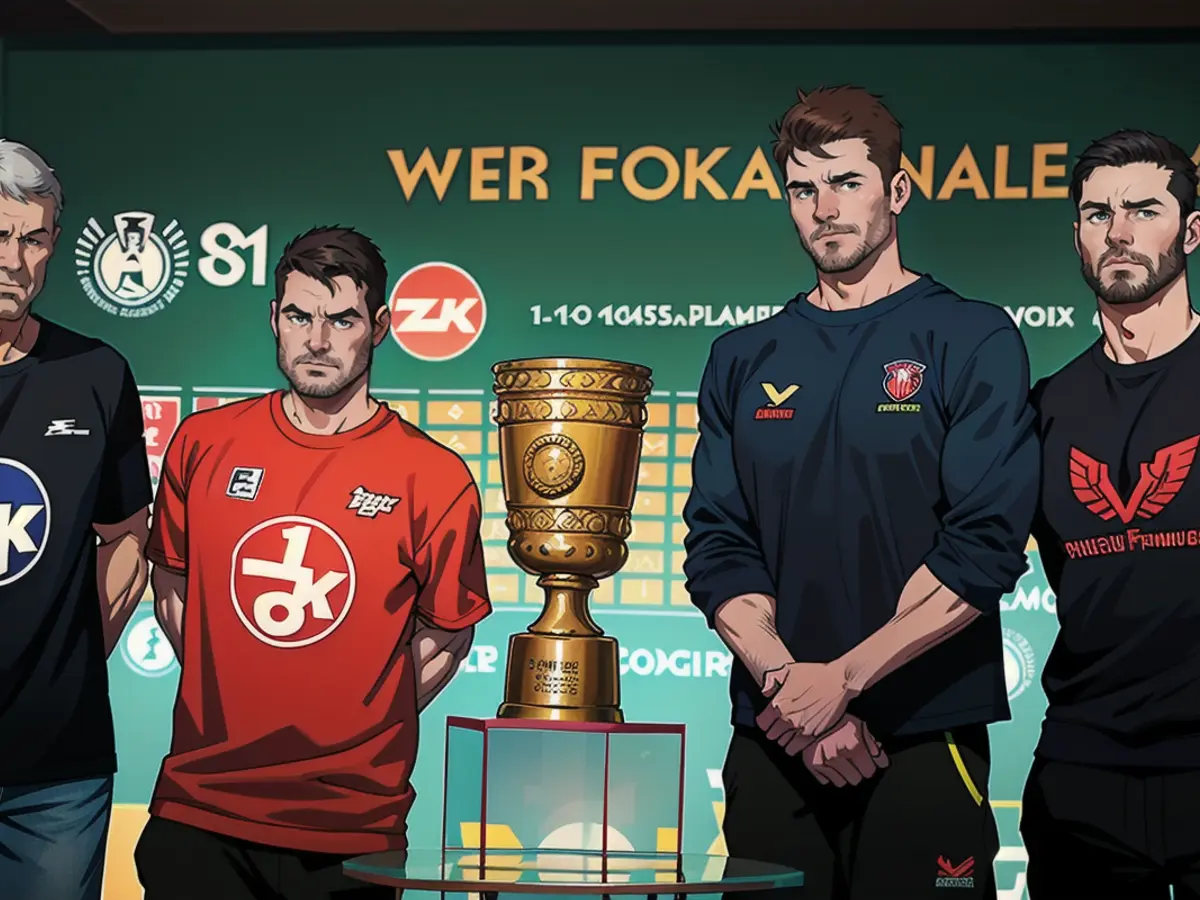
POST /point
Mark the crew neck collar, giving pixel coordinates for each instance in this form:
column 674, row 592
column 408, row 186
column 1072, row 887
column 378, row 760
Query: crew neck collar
column 1190, row 345
column 800, row 305
column 324, row 441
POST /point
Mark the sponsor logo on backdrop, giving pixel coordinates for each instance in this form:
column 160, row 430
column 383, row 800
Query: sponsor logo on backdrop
column 657, row 662
column 145, row 648
column 1020, row 665
column 438, row 311
column 1042, row 316
column 160, row 417
column 139, row 266
column 297, row 600
column 482, row 659
column 24, row 520
column 1032, row 594
column 132, row 270
column 1159, row 482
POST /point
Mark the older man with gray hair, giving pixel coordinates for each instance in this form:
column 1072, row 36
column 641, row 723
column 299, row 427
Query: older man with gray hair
column 74, row 514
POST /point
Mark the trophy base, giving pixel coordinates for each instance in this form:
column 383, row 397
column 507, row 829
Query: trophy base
column 562, row 679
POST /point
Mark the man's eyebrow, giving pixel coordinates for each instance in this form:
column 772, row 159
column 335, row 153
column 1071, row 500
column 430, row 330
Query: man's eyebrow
column 843, row 178
column 1140, row 204
column 1099, row 206
column 344, row 314
column 792, row 185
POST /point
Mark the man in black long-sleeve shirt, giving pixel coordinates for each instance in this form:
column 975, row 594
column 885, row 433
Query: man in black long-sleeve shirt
column 864, row 482
column 1111, row 803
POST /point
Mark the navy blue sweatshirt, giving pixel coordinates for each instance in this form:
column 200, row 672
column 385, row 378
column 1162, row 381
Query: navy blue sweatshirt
column 840, row 451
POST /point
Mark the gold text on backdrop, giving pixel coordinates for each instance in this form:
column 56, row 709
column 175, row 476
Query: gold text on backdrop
column 570, row 448
column 650, row 173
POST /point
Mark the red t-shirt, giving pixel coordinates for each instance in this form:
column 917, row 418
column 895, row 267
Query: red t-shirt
column 307, row 558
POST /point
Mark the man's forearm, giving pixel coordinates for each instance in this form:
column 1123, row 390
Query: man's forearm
column 927, row 614
column 437, row 656
column 169, row 591
column 121, row 576
column 746, row 625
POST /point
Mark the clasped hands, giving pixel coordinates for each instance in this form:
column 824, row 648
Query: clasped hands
column 807, row 716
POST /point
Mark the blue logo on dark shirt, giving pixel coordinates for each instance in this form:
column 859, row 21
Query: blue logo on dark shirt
column 24, row 519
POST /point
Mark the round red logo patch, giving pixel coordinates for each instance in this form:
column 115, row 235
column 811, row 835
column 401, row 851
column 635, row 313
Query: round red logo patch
column 438, row 311
column 292, row 581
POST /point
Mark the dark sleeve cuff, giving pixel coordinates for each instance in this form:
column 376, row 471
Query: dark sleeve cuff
column 710, row 593
column 963, row 579
column 480, row 609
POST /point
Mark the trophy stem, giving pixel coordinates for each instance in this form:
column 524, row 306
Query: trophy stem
column 566, row 612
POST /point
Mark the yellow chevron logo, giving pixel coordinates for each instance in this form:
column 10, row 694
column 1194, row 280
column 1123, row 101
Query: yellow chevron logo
column 777, row 397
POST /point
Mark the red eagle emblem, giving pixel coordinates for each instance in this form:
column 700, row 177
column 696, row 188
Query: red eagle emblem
column 902, row 379
column 1158, row 482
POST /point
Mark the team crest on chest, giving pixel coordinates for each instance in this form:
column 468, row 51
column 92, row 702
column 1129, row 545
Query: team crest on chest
column 902, row 380
column 292, row 581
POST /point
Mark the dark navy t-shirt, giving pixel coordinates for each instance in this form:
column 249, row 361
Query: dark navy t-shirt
column 71, row 456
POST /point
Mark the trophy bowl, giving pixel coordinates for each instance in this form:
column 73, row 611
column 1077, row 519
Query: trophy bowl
column 570, row 447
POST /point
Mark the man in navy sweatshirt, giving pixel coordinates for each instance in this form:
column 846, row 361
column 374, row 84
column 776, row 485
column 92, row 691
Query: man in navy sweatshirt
column 863, row 488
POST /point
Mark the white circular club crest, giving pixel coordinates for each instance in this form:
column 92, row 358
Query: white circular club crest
column 1020, row 665
column 292, row 581
column 146, row 650
column 24, row 520
column 131, row 270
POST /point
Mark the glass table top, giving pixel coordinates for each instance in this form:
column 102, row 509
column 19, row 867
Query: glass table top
column 568, row 871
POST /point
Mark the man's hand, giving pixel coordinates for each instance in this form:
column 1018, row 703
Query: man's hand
column 849, row 754
column 806, row 699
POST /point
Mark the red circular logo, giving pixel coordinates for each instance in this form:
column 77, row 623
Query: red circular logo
column 292, row 581
column 438, row 311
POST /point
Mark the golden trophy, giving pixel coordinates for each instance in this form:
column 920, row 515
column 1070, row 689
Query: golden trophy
column 570, row 447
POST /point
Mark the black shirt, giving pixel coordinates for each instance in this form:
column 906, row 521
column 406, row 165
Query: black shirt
column 1119, row 535
column 71, row 455
column 840, row 451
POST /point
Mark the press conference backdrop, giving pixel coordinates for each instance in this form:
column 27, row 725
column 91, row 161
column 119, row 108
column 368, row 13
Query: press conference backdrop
column 615, row 201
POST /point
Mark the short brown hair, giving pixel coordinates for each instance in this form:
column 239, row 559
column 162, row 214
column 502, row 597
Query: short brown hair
column 327, row 252
column 837, row 114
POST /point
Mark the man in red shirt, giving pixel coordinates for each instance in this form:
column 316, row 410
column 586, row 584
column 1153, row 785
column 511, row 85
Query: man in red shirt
column 318, row 571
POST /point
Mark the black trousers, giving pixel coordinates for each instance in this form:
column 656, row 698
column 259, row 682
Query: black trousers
column 1109, row 834
column 178, row 862
column 920, row 828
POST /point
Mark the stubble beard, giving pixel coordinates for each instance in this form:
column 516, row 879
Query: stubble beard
column 1124, row 292
column 834, row 262
column 324, row 388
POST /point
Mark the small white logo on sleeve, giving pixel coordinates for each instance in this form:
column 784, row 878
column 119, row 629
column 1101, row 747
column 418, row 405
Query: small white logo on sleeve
column 368, row 504
column 244, row 483
column 60, row 427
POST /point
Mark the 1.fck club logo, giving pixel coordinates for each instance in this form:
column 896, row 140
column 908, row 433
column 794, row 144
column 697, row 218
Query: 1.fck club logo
column 292, row 581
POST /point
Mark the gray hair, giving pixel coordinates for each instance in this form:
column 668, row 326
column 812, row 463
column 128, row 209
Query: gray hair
column 24, row 174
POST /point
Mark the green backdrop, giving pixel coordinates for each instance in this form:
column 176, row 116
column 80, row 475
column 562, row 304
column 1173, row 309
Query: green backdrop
column 288, row 138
